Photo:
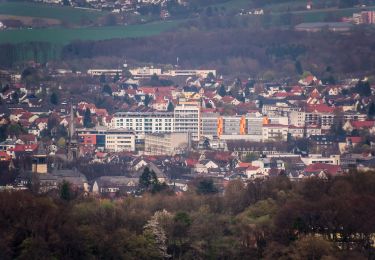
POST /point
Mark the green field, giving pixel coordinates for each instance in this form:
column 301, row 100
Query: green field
column 66, row 14
column 66, row 35
column 321, row 15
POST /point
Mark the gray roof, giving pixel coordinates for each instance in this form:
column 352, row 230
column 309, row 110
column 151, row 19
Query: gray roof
column 116, row 181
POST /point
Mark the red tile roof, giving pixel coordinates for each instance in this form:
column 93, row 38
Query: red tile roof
column 320, row 108
column 252, row 168
column 191, row 162
column 328, row 168
column 243, row 164
column 354, row 139
column 362, row 124
column 24, row 148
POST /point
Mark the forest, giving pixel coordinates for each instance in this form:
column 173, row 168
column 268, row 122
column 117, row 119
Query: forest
column 272, row 53
column 264, row 219
column 256, row 52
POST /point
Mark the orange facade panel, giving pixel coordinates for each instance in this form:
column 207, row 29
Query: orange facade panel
column 89, row 139
column 220, row 126
column 243, row 126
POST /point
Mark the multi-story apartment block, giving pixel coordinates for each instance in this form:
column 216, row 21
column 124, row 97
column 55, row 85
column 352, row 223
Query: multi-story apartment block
column 275, row 132
column 209, row 123
column 144, row 122
column 278, row 108
column 166, row 144
column 187, row 120
column 297, row 118
column 115, row 140
column 231, row 125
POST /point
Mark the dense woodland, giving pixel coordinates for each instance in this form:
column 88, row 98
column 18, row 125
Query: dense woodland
column 256, row 52
column 269, row 53
column 273, row 219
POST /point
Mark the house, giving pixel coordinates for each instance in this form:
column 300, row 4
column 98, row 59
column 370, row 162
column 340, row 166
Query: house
column 27, row 139
column 254, row 172
column 323, row 170
column 266, row 165
column 76, row 179
column 110, row 185
column 333, row 90
column 209, row 164
column 350, row 143
column 138, row 163
column 349, row 126
column 310, row 80
column 4, row 156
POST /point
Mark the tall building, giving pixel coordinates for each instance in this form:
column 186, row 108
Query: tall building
column 39, row 160
column 187, row 120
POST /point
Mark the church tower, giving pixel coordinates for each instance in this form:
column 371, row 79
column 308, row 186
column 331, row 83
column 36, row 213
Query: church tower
column 72, row 142
column 39, row 164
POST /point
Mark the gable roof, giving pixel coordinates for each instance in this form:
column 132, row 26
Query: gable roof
column 327, row 168
column 362, row 124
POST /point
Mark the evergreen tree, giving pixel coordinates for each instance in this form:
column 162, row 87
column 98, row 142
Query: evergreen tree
column 116, row 77
column 54, row 99
column 65, row 191
column 206, row 186
column 363, row 88
column 107, row 89
column 87, row 122
column 222, row 92
column 102, row 78
column 147, row 179
column 298, row 67
column 371, row 110
column 170, row 107
column 15, row 97
column 147, row 100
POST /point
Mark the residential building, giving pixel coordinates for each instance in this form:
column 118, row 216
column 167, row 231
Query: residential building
column 318, row 158
column 187, row 119
column 209, row 123
column 166, row 143
column 274, row 132
column 115, row 140
column 297, row 118
column 144, row 122
column 109, row 72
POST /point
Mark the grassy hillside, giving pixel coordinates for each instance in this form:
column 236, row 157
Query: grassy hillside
column 66, row 35
column 319, row 15
column 66, row 14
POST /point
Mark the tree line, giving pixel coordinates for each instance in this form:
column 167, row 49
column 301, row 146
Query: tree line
column 265, row 219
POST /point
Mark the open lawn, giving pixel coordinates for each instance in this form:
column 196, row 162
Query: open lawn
column 66, row 35
column 320, row 15
column 66, row 14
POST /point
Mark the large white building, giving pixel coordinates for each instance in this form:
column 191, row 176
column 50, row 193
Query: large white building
column 109, row 72
column 187, row 120
column 144, row 122
column 166, row 144
column 146, row 72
